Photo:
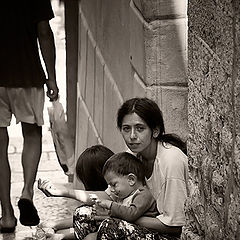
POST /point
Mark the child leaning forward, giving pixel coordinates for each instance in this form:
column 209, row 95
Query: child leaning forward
column 128, row 200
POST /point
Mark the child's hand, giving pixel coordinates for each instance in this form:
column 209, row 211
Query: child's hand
column 104, row 203
column 49, row 189
column 94, row 197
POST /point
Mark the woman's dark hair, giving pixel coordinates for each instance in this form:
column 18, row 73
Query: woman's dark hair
column 123, row 164
column 89, row 167
column 149, row 111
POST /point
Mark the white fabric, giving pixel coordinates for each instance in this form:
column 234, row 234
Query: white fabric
column 168, row 184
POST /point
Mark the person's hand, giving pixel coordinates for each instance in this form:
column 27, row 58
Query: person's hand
column 48, row 224
column 104, row 203
column 55, row 236
column 52, row 91
column 99, row 213
column 49, row 189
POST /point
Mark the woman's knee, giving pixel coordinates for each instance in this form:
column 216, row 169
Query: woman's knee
column 82, row 213
column 108, row 227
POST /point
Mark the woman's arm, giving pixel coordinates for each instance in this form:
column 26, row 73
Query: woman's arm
column 156, row 225
column 51, row 190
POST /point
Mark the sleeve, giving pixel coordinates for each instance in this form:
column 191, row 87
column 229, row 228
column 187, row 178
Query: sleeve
column 42, row 10
column 141, row 202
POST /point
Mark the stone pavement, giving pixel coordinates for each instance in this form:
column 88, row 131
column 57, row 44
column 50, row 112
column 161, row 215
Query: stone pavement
column 48, row 208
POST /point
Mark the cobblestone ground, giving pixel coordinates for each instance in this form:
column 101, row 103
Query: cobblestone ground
column 49, row 168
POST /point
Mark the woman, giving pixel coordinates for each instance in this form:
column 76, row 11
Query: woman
column 141, row 124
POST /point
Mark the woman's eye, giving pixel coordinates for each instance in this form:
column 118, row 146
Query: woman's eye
column 140, row 129
column 126, row 129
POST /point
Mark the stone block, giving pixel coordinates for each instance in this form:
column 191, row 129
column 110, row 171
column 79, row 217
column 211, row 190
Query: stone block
column 156, row 9
column 136, row 52
column 52, row 156
column 99, row 96
column 15, row 145
column 82, row 68
column 165, row 52
column 111, row 135
column 15, row 162
column 92, row 137
column 82, row 128
column 212, row 22
column 173, row 104
column 139, row 88
column 90, row 77
column 90, row 10
column 57, row 176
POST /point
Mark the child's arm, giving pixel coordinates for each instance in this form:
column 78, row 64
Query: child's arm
column 51, row 190
column 141, row 202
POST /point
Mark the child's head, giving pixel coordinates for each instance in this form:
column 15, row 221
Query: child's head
column 89, row 167
column 124, row 173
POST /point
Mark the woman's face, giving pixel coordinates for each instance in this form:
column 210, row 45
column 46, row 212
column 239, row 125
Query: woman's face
column 136, row 133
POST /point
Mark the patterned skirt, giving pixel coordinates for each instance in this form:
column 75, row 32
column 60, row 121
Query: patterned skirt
column 111, row 228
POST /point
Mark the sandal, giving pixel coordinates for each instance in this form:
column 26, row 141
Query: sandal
column 28, row 213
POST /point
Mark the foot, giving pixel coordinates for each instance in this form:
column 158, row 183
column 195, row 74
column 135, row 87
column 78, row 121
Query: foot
column 8, row 226
column 28, row 213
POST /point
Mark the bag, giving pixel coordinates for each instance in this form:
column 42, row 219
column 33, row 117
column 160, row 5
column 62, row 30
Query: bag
column 61, row 138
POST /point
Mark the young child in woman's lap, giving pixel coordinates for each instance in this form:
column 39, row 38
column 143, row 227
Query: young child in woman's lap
column 130, row 199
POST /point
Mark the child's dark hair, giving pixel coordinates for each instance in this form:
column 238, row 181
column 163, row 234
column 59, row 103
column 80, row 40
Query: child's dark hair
column 149, row 111
column 89, row 167
column 124, row 163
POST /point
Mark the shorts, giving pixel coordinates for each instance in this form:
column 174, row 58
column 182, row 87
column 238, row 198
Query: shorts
column 26, row 104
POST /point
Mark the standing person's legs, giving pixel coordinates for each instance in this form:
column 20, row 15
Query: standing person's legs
column 8, row 220
column 27, row 106
column 32, row 149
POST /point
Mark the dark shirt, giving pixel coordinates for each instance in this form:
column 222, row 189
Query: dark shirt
column 20, row 64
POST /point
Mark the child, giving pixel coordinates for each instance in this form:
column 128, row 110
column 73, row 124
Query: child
column 90, row 163
column 129, row 198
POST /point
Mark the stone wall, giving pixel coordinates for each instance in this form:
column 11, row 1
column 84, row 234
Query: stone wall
column 127, row 49
column 213, row 209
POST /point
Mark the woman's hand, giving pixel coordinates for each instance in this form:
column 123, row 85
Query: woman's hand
column 49, row 189
column 155, row 224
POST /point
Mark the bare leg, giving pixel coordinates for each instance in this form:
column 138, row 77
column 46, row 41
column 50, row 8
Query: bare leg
column 91, row 236
column 32, row 149
column 8, row 219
